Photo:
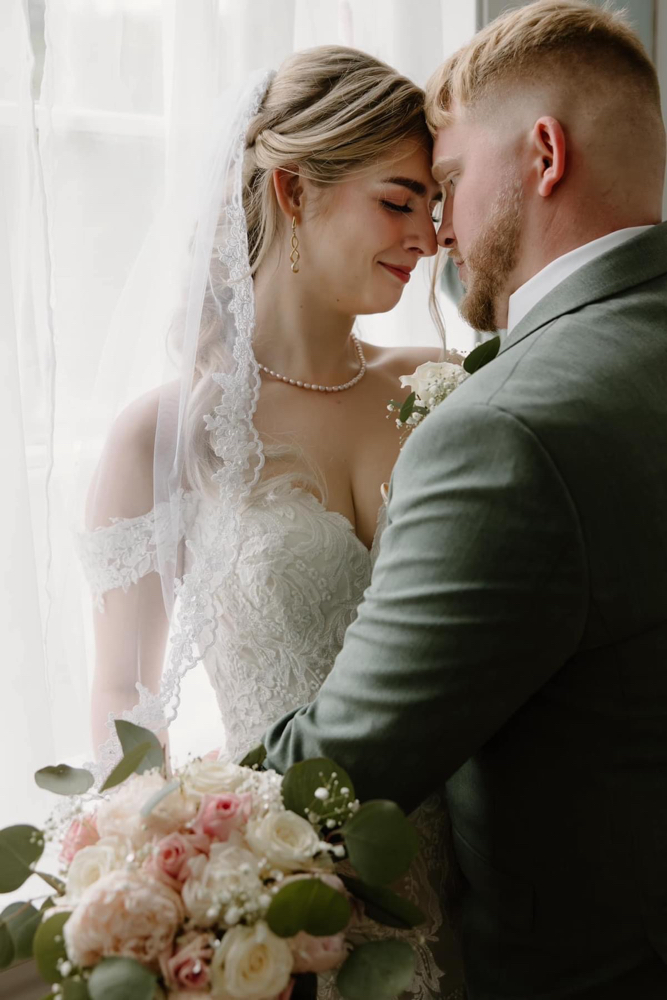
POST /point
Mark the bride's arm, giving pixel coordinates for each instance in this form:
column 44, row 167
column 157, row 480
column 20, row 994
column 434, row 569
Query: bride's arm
column 118, row 550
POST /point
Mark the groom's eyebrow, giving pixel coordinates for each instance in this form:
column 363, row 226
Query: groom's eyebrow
column 412, row 185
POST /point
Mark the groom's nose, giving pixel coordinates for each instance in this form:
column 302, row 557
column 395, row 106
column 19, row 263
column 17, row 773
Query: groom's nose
column 445, row 236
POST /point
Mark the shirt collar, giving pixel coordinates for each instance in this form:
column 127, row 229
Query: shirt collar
column 530, row 293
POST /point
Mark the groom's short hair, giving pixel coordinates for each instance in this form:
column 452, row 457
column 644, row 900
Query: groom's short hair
column 558, row 40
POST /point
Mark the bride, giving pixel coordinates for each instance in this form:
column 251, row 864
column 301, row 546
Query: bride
column 236, row 510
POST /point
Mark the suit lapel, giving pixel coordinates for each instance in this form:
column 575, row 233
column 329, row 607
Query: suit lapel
column 640, row 259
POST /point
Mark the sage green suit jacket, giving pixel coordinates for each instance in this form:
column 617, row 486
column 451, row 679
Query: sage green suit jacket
column 513, row 642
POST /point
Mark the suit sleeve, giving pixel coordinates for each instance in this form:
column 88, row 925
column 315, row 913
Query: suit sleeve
column 478, row 597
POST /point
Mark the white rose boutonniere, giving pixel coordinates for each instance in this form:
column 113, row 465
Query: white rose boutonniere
column 434, row 381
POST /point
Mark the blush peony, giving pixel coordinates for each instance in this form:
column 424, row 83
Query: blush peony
column 124, row 913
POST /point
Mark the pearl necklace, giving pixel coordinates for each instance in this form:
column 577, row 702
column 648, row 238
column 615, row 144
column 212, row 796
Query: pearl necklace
column 323, row 388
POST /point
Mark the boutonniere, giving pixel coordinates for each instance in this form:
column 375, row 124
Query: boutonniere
column 434, row 381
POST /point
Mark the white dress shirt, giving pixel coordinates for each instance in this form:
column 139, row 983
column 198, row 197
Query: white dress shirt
column 530, row 293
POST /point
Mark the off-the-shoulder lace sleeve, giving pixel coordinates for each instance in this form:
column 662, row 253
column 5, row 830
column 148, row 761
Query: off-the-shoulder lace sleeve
column 121, row 553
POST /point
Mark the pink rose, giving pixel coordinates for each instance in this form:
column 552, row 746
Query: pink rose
column 317, row 954
column 124, row 913
column 82, row 833
column 170, row 856
column 188, row 967
column 212, row 754
column 220, row 815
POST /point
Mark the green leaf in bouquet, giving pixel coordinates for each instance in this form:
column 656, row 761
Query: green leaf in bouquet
column 305, row 987
column 162, row 793
column 407, row 407
column 308, row 905
column 139, row 759
column 21, row 920
column 132, row 736
column 64, row 780
column 381, row 842
column 74, row 989
column 52, row 880
column 481, row 356
column 255, row 758
column 20, row 847
column 385, row 906
column 378, row 969
column 7, row 949
column 120, row 979
column 302, row 781
column 48, row 947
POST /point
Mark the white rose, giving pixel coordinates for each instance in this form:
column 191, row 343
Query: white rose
column 425, row 379
column 286, row 840
column 213, row 777
column 91, row 863
column 121, row 814
column 216, row 883
column 251, row 963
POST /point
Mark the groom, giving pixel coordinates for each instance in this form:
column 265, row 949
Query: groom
column 513, row 643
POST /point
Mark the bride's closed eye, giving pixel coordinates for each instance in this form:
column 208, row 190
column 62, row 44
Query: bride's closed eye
column 405, row 209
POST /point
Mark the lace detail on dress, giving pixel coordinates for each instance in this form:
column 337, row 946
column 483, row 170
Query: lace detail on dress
column 120, row 554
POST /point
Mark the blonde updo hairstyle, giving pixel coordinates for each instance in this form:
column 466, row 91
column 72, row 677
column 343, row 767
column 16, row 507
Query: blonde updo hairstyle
column 330, row 113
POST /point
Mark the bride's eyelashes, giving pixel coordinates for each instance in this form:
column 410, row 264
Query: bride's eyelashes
column 405, row 209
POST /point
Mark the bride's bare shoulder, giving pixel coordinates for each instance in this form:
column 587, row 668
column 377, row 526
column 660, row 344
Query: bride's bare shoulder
column 122, row 485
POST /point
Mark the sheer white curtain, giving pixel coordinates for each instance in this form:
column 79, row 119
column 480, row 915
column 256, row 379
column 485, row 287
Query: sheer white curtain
column 82, row 174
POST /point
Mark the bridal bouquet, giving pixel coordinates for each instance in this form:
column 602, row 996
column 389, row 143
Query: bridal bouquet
column 220, row 881
column 434, row 381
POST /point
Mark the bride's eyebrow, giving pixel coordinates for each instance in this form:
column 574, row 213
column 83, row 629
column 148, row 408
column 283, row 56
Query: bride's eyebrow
column 412, row 185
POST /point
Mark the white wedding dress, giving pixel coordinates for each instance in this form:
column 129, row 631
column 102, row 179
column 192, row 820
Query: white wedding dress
column 280, row 620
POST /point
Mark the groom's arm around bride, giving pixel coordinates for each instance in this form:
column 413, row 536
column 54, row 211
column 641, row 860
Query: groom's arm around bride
column 514, row 638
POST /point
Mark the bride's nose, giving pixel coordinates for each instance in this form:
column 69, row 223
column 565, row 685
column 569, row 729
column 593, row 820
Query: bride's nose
column 422, row 239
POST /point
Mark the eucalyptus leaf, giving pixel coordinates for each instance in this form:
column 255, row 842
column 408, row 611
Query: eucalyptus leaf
column 255, row 758
column 155, row 800
column 21, row 920
column 378, row 969
column 302, row 780
column 53, row 881
column 7, row 948
column 48, row 947
column 407, row 407
column 120, row 979
column 139, row 759
column 481, row 356
column 308, row 905
column 381, row 842
column 74, row 989
column 64, row 780
column 132, row 736
column 385, row 906
column 17, row 853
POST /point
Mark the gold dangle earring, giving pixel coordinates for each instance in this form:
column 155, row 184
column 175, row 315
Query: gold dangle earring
column 295, row 256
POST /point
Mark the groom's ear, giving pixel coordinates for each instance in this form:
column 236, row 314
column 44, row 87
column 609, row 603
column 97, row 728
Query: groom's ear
column 549, row 149
column 288, row 187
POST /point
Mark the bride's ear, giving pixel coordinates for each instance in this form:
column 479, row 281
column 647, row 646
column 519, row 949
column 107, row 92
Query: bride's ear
column 289, row 191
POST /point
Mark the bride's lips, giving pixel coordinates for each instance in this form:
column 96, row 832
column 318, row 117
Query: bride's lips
column 402, row 273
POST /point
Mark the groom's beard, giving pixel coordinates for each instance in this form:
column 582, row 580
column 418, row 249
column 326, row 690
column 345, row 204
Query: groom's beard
column 492, row 258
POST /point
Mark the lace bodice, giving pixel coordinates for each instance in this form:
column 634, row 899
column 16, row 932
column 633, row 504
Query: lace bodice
column 283, row 612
